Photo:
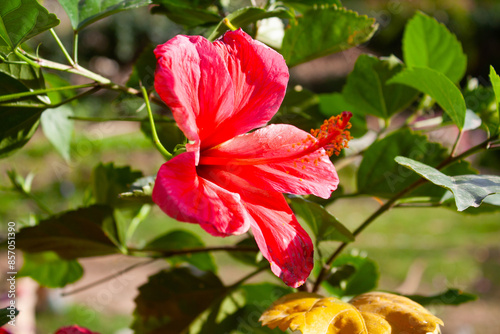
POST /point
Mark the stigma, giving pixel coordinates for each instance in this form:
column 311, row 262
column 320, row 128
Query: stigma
column 334, row 135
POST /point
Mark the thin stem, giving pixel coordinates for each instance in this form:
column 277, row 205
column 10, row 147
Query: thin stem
column 61, row 46
column 455, row 146
column 390, row 203
column 77, row 96
column 121, row 119
column 156, row 140
column 26, row 59
column 166, row 254
column 107, row 278
column 5, row 98
column 75, row 47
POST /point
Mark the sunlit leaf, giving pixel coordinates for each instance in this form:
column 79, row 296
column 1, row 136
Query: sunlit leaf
column 58, row 129
column 428, row 43
column 323, row 224
column 84, row 12
column 366, row 87
column 437, row 86
column 179, row 240
column 304, row 5
column 50, row 270
column 469, row 190
column 247, row 15
column 325, row 30
column 20, row 20
column 369, row 313
column 72, row 234
column 172, row 299
column 109, row 181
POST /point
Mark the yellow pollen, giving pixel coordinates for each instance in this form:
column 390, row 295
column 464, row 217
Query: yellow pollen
column 333, row 134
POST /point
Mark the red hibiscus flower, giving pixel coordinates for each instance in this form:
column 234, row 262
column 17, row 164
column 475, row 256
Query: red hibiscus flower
column 74, row 330
column 229, row 180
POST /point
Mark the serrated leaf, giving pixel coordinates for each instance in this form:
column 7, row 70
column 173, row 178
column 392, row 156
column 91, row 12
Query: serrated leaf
column 84, row 12
column 50, row 270
column 380, row 175
column 494, row 122
column 20, row 20
column 109, row 181
column 364, row 278
column 437, row 86
column 469, row 190
column 428, row 43
column 58, row 129
column 5, row 314
column 172, row 299
column 179, row 240
column 247, row 15
column 322, row 31
column 323, row 224
column 333, row 104
column 72, row 234
column 304, row 5
column 449, row 297
column 373, row 313
column 186, row 13
column 366, row 87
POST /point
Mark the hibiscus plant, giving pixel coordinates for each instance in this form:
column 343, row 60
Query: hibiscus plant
column 238, row 149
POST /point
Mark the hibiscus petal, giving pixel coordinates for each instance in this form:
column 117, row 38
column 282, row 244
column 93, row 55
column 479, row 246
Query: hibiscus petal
column 277, row 157
column 281, row 239
column 259, row 76
column 192, row 79
column 187, row 197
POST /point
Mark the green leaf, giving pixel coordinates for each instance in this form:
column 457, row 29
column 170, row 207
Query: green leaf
column 428, row 43
column 172, row 299
column 236, row 314
column 333, row 104
column 20, row 20
column 179, row 240
column 494, row 122
column 437, row 86
column 469, row 190
column 80, row 233
column 352, row 275
column 185, row 13
column 366, row 87
column 50, row 270
column 323, row 224
column 7, row 314
column 144, row 68
column 449, row 297
column 108, row 181
column 251, row 258
column 17, row 127
column 58, row 129
column 84, row 12
column 247, row 15
column 380, row 175
column 322, row 31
